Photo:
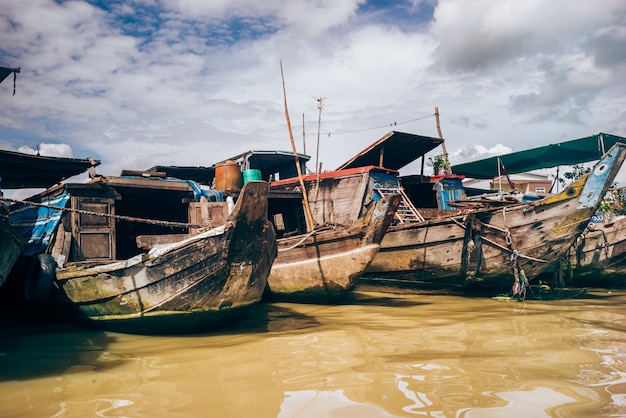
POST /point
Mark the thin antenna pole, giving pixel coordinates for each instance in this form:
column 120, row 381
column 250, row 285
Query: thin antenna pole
column 320, row 105
column 307, row 208
column 303, row 135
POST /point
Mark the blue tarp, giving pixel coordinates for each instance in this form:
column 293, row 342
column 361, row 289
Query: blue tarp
column 210, row 195
column 37, row 224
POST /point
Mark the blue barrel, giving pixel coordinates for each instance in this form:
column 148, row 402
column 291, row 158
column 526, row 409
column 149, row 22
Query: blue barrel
column 250, row 175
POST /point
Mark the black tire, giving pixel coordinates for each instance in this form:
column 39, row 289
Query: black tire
column 39, row 278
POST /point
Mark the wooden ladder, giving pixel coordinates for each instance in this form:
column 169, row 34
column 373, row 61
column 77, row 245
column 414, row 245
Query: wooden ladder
column 406, row 211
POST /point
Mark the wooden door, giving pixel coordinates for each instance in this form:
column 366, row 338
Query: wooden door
column 94, row 236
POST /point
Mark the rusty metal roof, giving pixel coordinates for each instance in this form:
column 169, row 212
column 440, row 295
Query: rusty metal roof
column 19, row 170
column 394, row 151
column 270, row 162
column 201, row 175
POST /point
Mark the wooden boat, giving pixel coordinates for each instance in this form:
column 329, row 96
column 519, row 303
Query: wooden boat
column 596, row 259
column 321, row 258
column 597, row 256
column 19, row 171
column 157, row 256
column 326, row 262
column 493, row 246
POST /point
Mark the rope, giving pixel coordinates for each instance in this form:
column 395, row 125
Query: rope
column 315, row 231
column 108, row 215
column 507, row 238
column 15, row 71
column 605, row 244
column 520, row 281
column 472, row 241
column 382, row 126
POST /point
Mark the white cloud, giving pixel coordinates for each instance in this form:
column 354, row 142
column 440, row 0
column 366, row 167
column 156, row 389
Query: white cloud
column 478, row 152
column 49, row 150
column 200, row 81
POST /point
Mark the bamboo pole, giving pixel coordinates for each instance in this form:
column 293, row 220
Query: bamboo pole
column 307, row 208
column 443, row 143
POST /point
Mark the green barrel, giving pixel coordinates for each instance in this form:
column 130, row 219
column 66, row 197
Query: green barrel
column 249, row 175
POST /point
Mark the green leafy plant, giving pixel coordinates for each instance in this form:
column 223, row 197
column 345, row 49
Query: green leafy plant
column 614, row 203
column 578, row 170
column 439, row 161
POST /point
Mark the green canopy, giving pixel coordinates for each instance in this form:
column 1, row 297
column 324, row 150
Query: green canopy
column 572, row 152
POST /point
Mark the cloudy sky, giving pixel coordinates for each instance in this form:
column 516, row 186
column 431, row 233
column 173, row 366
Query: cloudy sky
column 136, row 83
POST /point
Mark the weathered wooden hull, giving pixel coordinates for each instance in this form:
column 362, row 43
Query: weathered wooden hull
column 11, row 245
column 484, row 246
column 599, row 255
column 327, row 263
column 189, row 286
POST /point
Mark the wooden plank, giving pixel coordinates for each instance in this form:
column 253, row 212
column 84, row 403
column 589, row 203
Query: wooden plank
column 149, row 241
column 207, row 214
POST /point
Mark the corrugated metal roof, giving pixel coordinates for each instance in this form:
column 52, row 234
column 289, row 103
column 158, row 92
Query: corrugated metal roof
column 394, row 151
column 19, row 170
column 268, row 162
column 201, row 175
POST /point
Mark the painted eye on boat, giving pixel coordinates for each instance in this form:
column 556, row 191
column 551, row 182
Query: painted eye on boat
column 600, row 169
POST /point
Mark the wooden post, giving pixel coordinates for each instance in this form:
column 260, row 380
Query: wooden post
column 307, row 208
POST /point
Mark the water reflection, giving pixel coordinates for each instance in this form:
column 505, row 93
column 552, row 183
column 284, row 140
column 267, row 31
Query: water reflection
column 325, row 403
column 536, row 403
column 30, row 350
column 374, row 355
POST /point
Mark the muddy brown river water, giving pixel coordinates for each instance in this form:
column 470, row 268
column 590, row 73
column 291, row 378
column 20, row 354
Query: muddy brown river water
column 374, row 355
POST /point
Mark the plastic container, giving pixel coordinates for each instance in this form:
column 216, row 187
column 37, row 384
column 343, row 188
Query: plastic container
column 228, row 176
column 249, row 175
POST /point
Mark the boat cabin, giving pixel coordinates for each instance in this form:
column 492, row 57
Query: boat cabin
column 430, row 195
column 335, row 197
column 115, row 218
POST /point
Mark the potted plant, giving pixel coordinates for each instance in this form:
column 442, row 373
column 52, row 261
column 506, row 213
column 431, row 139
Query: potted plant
column 440, row 164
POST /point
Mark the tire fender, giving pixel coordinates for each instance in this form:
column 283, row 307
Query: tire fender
column 39, row 278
